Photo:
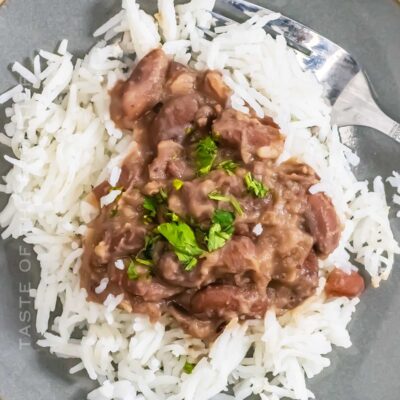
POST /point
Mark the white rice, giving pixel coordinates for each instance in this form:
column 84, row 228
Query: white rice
column 111, row 23
column 25, row 73
column 395, row 182
column 62, row 48
column 6, row 96
column 102, row 286
column 109, row 198
column 167, row 20
column 51, row 176
column 258, row 229
column 114, row 176
column 119, row 264
column 36, row 67
column 112, row 302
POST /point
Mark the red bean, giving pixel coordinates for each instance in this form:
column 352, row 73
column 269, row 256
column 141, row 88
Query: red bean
column 323, row 223
column 226, row 301
column 340, row 283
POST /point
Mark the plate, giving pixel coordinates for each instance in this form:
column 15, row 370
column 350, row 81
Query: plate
column 366, row 28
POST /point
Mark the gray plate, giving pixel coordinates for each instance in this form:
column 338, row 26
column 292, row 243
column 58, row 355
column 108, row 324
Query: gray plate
column 370, row 30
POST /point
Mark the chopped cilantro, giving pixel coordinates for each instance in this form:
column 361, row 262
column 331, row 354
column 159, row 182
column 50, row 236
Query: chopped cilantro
column 218, row 196
column 144, row 258
column 151, row 203
column 188, row 367
column 224, row 218
column 221, row 229
column 119, row 188
column 114, row 212
column 206, row 151
column 150, row 207
column 161, row 196
column 189, row 130
column 228, row 166
column 182, row 238
column 229, row 199
column 145, row 255
column 217, row 237
column 173, row 217
column 177, row 184
column 132, row 271
column 143, row 261
column 255, row 186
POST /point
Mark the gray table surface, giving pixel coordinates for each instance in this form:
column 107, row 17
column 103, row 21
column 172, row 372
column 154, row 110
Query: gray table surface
column 370, row 30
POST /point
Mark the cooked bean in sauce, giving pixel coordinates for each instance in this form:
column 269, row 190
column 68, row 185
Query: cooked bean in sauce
column 339, row 283
column 205, row 224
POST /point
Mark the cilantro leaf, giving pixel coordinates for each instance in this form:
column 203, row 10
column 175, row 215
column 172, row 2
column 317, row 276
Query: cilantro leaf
column 229, row 199
column 218, row 196
column 132, row 272
column 151, row 203
column 143, row 261
column 161, row 196
column 187, row 260
column 224, row 218
column 114, row 212
column 145, row 255
column 119, row 188
column 228, row 166
column 177, row 184
column 255, row 186
column 217, row 237
column 236, row 205
column 189, row 130
column 206, row 152
column 182, row 238
column 188, row 367
column 173, row 217
column 221, row 229
column 150, row 207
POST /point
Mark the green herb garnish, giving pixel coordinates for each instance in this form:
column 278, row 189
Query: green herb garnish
column 145, row 255
column 173, row 217
column 114, row 212
column 221, row 229
column 177, row 184
column 189, row 130
column 120, row 188
column 188, row 367
column 150, row 207
column 217, row 237
column 224, row 218
column 161, row 196
column 132, row 271
column 151, row 203
column 229, row 199
column 206, row 151
column 255, row 186
column 182, row 238
column 143, row 261
column 228, row 166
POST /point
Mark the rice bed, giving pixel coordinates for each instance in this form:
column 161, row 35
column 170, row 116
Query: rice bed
column 64, row 142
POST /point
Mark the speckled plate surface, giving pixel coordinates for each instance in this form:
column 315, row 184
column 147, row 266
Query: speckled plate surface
column 368, row 29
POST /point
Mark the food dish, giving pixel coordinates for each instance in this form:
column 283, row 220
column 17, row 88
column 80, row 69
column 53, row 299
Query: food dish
column 199, row 220
column 192, row 375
